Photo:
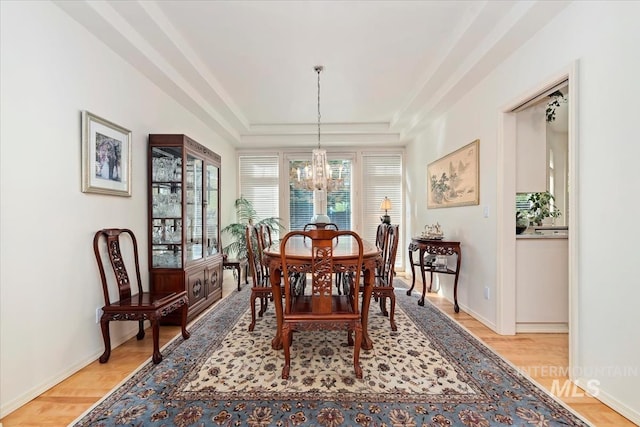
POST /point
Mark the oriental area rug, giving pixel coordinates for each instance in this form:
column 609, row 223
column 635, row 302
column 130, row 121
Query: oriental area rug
column 431, row 372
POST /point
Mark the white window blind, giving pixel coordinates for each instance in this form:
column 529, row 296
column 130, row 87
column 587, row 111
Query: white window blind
column 382, row 176
column 259, row 179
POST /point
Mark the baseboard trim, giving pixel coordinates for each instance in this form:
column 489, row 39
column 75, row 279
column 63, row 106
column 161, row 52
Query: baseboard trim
column 8, row 407
column 604, row 397
column 486, row 322
column 542, row 328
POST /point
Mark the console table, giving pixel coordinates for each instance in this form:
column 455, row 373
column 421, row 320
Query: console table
column 238, row 265
column 434, row 247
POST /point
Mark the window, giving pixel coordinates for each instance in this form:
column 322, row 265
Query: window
column 381, row 176
column 368, row 178
column 338, row 202
column 259, row 177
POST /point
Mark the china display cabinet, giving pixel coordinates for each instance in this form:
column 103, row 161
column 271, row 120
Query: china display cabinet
column 184, row 221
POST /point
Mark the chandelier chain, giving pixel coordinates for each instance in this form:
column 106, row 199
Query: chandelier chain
column 318, row 176
column 318, row 69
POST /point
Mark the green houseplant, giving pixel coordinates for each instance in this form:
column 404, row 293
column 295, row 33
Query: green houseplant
column 542, row 206
column 245, row 215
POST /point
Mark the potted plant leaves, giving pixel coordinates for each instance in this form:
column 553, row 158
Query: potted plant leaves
column 542, row 207
column 245, row 215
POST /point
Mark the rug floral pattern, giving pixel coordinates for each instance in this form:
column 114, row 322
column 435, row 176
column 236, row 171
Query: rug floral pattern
column 430, row 372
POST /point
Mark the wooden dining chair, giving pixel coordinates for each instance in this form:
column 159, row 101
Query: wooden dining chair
column 264, row 240
column 381, row 233
column 327, row 226
column 383, row 283
column 320, row 309
column 320, row 226
column 141, row 306
column 266, row 234
column 261, row 286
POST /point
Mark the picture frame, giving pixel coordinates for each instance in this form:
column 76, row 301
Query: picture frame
column 106, row 157
column 454, row 180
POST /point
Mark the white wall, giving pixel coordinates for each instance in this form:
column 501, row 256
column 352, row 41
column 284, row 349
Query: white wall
column 52, row 68
column 603, row 37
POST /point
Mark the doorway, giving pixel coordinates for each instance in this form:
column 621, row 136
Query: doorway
column 506, row 147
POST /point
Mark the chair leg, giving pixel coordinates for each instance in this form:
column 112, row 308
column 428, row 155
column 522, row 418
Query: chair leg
column 185, row 312
column 253, row 312
column 264, row 302
column 286, row 344
column 383, row 305
column 104, row 325
column 140, row 334
column 392, row 299
column 356, row 351
column 155, row 328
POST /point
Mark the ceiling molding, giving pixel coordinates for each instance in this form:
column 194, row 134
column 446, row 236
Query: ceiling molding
column 311, row 140
column 479, row 36
column 110, row 27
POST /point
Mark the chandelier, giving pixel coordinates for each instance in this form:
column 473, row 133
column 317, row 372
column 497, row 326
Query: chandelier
column 318, row 176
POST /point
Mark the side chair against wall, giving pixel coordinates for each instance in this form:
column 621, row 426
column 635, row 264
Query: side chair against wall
column 142, row 306
column 261, row 286
column 321, row 309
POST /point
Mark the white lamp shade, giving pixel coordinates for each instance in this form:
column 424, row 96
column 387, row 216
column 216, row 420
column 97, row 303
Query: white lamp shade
column 385, row 205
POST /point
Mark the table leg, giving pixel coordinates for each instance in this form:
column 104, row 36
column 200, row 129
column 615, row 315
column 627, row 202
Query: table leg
column 424, row 282
column 413, row 272
column 274, row 278
column 456, row 307
column 369, row 277
column 239, row 270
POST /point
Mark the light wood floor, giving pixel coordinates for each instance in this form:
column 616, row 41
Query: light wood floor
column 66, row 401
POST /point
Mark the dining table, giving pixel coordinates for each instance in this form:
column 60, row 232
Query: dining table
column 345, row 251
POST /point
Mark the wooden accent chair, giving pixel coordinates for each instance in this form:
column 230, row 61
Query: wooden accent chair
column 143, row 306
column 261, row 286
column 321, row 309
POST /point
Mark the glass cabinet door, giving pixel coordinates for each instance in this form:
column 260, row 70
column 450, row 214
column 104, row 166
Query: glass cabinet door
column 194, row 201
column 166, row 206
column 212, row 188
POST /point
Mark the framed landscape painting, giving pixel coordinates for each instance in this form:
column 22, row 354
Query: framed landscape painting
column 453, row 180
column 106, row 157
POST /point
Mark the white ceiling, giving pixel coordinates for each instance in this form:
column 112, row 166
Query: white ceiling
column 246, row 67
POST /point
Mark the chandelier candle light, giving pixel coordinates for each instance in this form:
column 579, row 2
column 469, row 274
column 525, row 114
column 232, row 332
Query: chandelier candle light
column 319, row 177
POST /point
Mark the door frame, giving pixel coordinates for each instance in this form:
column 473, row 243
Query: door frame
column 506, row 242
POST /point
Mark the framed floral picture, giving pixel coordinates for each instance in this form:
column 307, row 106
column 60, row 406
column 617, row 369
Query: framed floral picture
column 106, row 156
column 453, row 180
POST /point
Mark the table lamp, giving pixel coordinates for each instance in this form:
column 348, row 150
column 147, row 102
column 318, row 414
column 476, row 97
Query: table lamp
column 385, row 206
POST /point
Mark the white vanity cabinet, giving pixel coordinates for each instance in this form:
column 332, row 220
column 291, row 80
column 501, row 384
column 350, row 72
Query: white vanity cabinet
column 542, row 283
